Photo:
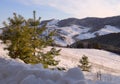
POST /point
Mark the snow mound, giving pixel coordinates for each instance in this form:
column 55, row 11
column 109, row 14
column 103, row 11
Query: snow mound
column 20, row 73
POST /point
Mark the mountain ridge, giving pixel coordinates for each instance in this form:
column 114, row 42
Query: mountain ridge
column 90, row 22
column 72, row 29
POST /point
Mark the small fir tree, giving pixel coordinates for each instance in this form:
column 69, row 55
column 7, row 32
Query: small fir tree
column 84, row 63
column 26, row 41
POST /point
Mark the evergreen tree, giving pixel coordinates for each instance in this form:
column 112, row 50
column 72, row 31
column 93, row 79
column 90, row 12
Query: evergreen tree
column 26, row 41
column 84, row 63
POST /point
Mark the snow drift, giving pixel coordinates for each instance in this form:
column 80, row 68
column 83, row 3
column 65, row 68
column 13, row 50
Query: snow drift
column 14, row 72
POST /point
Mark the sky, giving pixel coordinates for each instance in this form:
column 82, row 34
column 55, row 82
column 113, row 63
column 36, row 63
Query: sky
column 59, row 9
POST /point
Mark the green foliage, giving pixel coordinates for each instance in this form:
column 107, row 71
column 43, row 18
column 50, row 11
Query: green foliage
column 84, row 63
column 26, row 41
column 48, row 57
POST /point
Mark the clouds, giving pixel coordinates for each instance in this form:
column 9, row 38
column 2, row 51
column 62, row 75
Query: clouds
column 81, row 8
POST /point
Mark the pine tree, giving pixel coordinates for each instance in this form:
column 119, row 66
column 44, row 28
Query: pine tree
column 84, row 63
column 26, row 41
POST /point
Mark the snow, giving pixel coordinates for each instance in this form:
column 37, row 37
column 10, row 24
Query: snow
column 99, row 58
column 73, row 32
column 85, row 36
column 103, row 31
column 17, row 72
column 102, row 61
column 107, row 30
column 20, row 73
column 52, row 23
column 3, row 52
column 69, row 32
column 105, row 62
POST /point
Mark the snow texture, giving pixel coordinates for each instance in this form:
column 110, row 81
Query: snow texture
column 20, row 73
column 17, row 72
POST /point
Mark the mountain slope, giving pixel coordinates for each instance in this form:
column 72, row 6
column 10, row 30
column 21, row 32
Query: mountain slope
column 112, row 39
column 99, row 58
column 109, row 42
column 92, row 22
column 71, row 30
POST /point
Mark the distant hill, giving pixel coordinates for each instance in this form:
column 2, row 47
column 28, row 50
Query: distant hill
column 112, row 39
column 92, row 22
column 110, row 42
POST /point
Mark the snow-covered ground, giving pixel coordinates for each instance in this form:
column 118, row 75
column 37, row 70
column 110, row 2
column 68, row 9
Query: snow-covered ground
column 103, row 62
column 17, row 72
column 100, row 60
column 20, row 73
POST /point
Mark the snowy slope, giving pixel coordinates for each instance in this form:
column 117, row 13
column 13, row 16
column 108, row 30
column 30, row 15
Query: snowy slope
column 17, row 72
column 100, row 59
column 70, row 34
column 52, row 23
column 104, row 61
column 103, row 31
column 107, row 30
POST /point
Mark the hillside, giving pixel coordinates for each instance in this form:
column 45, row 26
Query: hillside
column 70, row 58
column 72, row 29
column 92, row 22
column 109, row 39
column 17, row 72
column 109, row 42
